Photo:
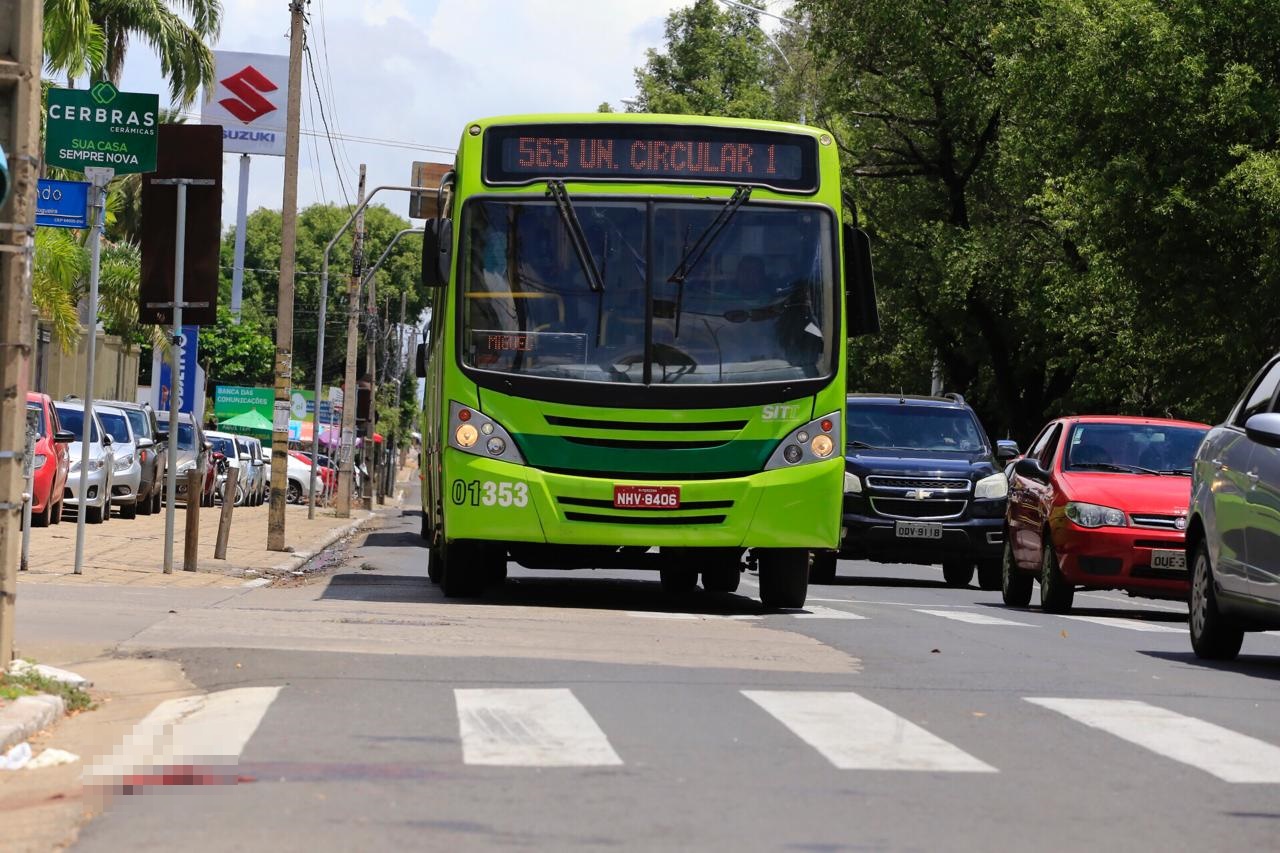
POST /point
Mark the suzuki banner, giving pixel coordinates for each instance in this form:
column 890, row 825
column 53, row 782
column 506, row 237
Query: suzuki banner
column 249, row 101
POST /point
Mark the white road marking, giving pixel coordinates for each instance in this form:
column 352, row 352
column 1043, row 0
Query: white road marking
column 1126, row 600
column 256, row 582
column 1129, row 624
column 1230, row 756
column 530, row 728
column 654, row 614
column 856, row 734
column 973, row 618
column 207, row 730
column 817, row 611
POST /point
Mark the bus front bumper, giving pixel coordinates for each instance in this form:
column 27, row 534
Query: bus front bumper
column 492, row 500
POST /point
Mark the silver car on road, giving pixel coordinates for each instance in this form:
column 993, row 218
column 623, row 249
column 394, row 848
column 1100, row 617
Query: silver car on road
column 95, row 482
column 126, row 481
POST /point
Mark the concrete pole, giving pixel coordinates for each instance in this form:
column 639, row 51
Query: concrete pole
column 177, row 345
column 99, row 176
column 346, row 450
column 242, row 215
column 284, row 305
column 20, row 92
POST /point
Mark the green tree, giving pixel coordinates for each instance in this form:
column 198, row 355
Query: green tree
column 238, row 353
column 60, row 265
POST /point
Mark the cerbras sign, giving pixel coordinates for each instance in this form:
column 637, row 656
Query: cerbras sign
column 102, row 126
column 250, row 101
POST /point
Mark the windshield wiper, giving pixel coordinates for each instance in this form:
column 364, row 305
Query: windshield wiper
column 861, row 445
column 1183, row 472
column 693, row 254
column 1112, row 466
column 569, row 216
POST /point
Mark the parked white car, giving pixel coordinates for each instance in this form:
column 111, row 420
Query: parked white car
column 126, row 480
column 95, row 482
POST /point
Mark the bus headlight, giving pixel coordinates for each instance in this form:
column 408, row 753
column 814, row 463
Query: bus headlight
column 813, row 442
column 466, row 426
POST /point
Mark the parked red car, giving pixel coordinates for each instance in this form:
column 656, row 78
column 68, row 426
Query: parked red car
column 51, row 463
column 1100, row 503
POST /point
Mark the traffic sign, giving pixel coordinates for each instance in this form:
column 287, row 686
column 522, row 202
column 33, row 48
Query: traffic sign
column 62, row 204
column 102, row 126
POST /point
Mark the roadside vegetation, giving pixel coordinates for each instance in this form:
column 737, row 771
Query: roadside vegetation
column 30, row 683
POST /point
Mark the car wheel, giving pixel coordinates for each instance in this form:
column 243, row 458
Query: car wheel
column 92, row 514
column 823, row 569
column 44, row 517
column 1213, row 637
column 464, row 570
column 1056, row 593
column 1015, row 585
column 957, row 572
column 57, row 513
column 294, row 493
column 145, row 507
column 129, row 510
column 784, row 577
column 990, row 574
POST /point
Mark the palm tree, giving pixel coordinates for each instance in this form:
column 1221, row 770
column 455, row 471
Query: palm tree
column 73, row 42
column 183, row 48
column 60, row 266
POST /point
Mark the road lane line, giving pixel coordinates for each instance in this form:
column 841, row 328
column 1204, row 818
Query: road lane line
column 204, row 731
column 856, row 734
column 1129, row 602
column 655, row 614
column 1128, row 624
column 511, row 727
column 1230, row 756
column 817, row 611
column 973, row 618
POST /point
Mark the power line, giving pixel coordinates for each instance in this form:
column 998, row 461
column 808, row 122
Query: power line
column 360, row 140
column 324, row 120
column 327, row 79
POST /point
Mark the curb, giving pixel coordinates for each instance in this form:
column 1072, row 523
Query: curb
column 301, row 558
column 27, row 715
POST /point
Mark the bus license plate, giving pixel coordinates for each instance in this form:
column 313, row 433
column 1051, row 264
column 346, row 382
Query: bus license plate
column 917, row 530
column 1161, row 559
column 646, row 497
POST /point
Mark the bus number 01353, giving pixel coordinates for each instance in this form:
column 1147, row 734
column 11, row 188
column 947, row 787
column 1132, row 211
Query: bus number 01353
column 489, row 493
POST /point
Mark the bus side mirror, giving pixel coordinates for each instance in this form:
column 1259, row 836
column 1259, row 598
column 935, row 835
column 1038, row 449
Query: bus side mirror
column 420, row 361
column 862, row 316
column 437, row 246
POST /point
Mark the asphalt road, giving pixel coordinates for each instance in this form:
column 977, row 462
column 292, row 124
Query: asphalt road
column 587, row 711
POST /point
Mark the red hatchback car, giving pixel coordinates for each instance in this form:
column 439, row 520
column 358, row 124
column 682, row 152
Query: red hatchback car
column 1100, row 503
column 51, row 463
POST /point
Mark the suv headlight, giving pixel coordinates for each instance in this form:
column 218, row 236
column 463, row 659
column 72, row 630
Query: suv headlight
column 852, row 484
column 95, row 462
column 474, row 432
column 813, row 442
column 996, row 486
column 1092, row 515
column 124, row 462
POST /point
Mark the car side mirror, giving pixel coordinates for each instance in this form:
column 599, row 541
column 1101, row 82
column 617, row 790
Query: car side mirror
column 63, row 436
column 1030, row 468
column 144, row 443
column 862, row 317
column 162, row 435
column 1264, row 429
column 1007, row 451
column 107, row 440
column 245, row 457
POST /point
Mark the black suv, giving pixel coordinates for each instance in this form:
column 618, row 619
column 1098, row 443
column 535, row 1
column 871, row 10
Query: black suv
column 922, row 485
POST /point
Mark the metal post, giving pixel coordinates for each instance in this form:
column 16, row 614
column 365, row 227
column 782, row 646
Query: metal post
column 237, row 269
column 284, row 305
column 98, row 177
column 29, row 496
column 176, row 346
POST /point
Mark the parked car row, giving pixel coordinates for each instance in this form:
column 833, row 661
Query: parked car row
column 1154, row 507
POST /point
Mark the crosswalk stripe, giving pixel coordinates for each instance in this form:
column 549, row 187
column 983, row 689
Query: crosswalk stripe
column 1230, row 756
column 1129, row 624
column 203, row 731
column 974, row 618
column 854, row 733
column 817, row 611
column 530, row 728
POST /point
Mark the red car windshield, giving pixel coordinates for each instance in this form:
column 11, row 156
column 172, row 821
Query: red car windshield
column 1132, row 448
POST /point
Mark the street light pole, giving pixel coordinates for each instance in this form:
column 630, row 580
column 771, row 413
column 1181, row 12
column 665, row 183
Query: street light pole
column 771, row 39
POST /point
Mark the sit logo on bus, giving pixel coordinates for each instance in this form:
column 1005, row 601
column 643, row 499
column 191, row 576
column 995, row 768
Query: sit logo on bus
column 779, row 412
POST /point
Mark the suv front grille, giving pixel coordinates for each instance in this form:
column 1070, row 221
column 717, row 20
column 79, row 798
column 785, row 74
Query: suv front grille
column 1159, row 522
column 905, row 483
column 918, row 509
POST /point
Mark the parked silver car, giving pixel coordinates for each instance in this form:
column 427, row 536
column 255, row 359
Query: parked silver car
column 151, row 446
column 126, row 479
column 251, row 469
column 193, row 453
column 224, row 444
column 1233, row 535
column 95, row 482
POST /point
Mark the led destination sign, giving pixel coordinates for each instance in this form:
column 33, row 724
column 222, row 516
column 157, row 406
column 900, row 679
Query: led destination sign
column 526, row 154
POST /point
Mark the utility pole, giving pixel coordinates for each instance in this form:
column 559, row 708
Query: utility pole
column 371, row 365
column 21, row 25
column 394, row 445
column 346, row 450
column 284, row 306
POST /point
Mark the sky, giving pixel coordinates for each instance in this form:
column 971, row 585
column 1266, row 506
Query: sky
column 414, row 72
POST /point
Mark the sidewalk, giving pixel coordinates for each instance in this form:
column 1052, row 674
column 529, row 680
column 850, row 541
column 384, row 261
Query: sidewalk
column 131, row 552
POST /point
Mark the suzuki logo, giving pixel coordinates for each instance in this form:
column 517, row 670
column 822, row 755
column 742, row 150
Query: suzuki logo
column 246, row 84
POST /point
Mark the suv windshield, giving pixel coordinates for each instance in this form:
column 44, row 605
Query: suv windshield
column 186, row 435
column 225, row 446
column 73, row 422
column 907, row 427
column 116, row 426
column 138, row 420
column 1132, row 448
column 757, row 306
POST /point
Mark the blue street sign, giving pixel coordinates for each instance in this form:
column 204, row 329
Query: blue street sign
column 186, row 372
column 62, row 204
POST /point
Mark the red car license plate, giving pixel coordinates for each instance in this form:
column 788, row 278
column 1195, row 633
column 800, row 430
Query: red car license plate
column 646, row 497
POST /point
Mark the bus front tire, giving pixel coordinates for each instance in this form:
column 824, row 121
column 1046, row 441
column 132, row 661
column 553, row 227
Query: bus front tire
column 722, row 570
column 784, row 577
column 463, row 572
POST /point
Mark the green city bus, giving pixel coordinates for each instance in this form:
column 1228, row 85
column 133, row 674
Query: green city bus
column 636, row 356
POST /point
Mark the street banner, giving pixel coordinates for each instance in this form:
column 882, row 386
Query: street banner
column 102, row 126
column 62, row 204
column 303, row 408
column 249, row 101
column 232, row 400
column 187, row 379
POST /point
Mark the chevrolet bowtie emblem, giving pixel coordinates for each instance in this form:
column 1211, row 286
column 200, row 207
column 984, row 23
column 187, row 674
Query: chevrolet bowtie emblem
column 920, row 494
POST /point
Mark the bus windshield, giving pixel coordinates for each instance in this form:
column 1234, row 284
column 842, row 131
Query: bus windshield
column 754, row 304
